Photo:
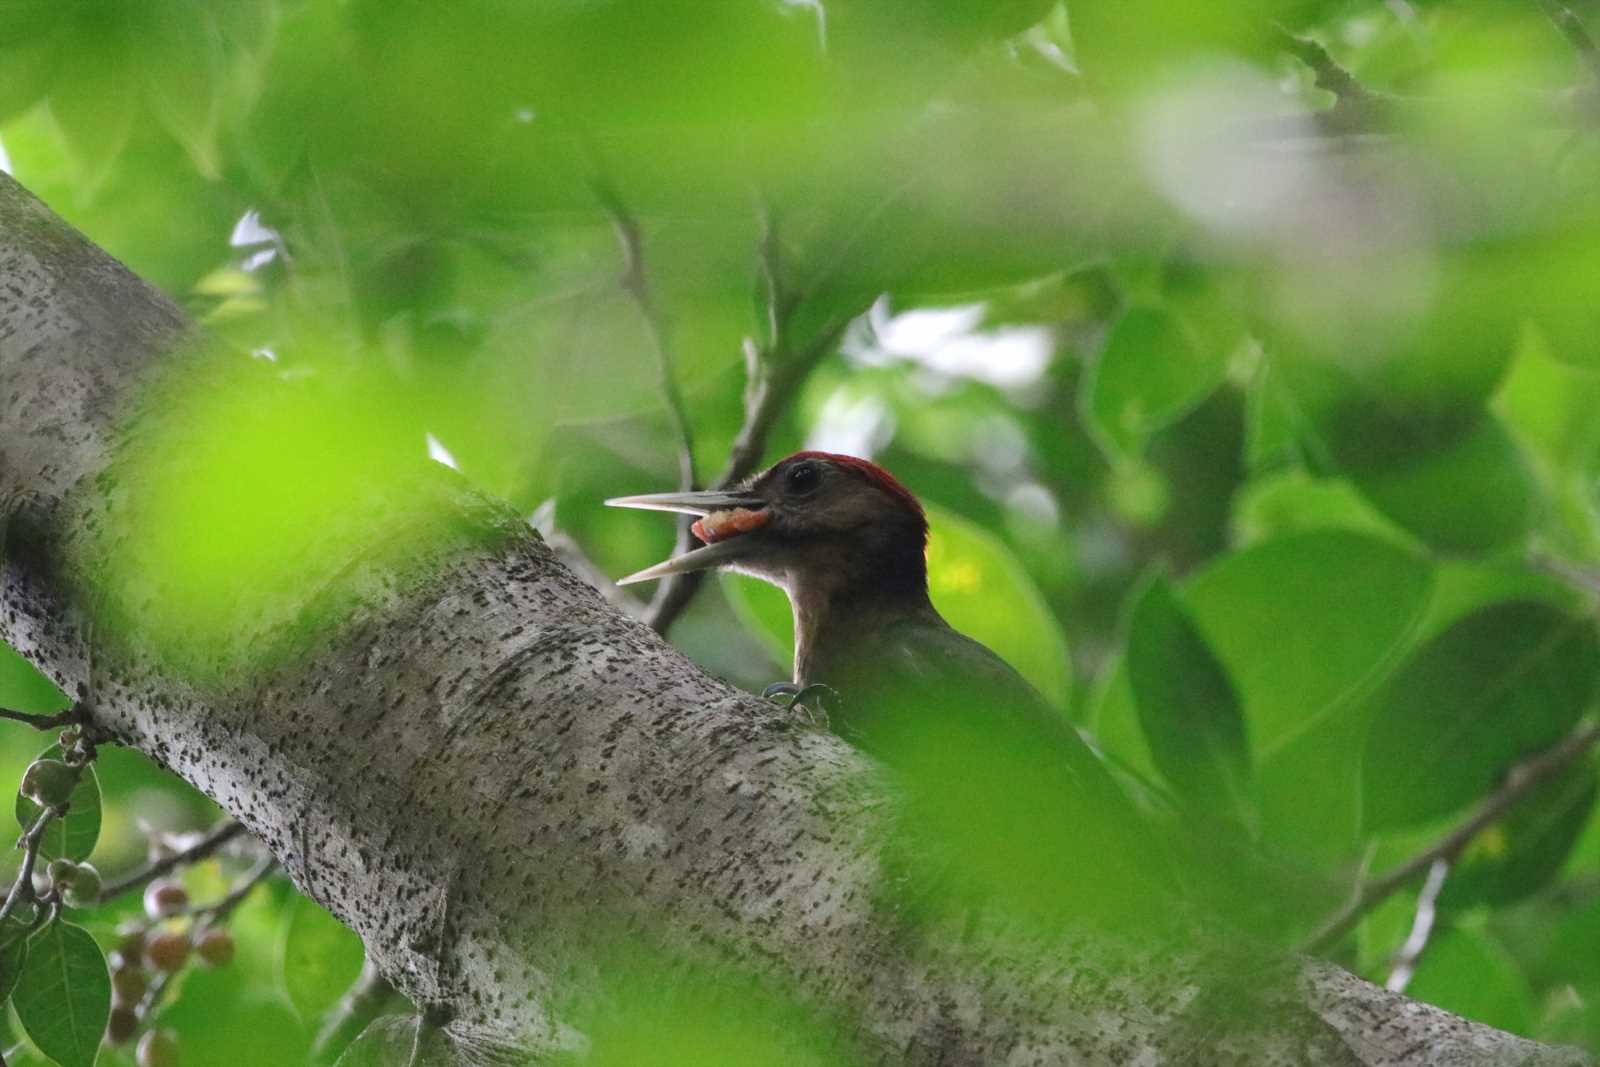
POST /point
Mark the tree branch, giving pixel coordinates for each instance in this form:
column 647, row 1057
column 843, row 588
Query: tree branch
column 214, row 840
column 42, row 722
column 1521, row 780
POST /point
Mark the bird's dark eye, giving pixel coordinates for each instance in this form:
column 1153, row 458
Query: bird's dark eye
column 803, row 477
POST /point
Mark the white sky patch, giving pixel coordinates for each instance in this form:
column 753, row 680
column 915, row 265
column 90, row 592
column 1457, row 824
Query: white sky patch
column 5, row 160
column 440, row 454
column 250, row 232
column 1200, row 148
column 853, row 425
column 1034, row 503
column 264, row 353
column 951, row 343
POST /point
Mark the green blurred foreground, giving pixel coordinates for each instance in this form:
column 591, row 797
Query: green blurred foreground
column 1262, row 373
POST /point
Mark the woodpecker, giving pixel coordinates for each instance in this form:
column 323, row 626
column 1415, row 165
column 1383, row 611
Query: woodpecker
column 983, row 750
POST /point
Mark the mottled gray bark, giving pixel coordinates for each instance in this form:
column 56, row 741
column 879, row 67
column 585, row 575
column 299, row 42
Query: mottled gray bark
column 495, row 778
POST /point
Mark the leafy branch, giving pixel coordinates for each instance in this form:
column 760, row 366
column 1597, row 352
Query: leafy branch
column 1521, row 780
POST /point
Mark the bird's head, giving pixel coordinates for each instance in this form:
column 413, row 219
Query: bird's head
column 815, row 520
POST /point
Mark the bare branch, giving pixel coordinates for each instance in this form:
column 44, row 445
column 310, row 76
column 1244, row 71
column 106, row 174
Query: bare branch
column 636, row 283
column 214, row 840
column 22, row 888
column 1521, row 780
column 1405, row 962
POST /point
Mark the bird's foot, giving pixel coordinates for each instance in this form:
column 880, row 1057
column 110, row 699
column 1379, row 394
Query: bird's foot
column 810, row 700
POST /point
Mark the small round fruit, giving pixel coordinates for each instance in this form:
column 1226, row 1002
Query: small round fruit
column 165, row 898
column 122, row 1025
column 158, row 1048
column 167, row 950
column 132, row 936
column 61, row 872
column 215, row 948
column 49, row 783
column 83, row 889
column 128, row 985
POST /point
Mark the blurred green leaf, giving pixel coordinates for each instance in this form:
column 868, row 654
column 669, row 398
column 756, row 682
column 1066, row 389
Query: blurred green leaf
column 1522, row 853
column 179, row 48
column 64, row 997
column 1150, row 373
column 1498, row 685
column 29, row 65
column 1187, row 706
column 73, row 836
column 95, row 98
column 1292, row 501
column 1474, row 494
column 1469, row 973
column 318, row 958
column 1334, row 607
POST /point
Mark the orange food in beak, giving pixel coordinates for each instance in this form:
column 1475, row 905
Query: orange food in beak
column 721, row 525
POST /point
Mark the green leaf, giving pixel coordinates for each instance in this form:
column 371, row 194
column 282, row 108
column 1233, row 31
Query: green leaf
column 94, row 101
column 385, row 1041
column 318, row 958
column 1472, row 494
column 1500, row 684
column 74, row 835
column 1291, row 501
column 1470, row 974
column 23, row 688
column 1523, row 852
column 1334, row 609
column 64, row 997
column 178, row 46
column 13, row 955
column 1150, row 374
column 1306, row 627
column 1187, row 705
column 978, row 586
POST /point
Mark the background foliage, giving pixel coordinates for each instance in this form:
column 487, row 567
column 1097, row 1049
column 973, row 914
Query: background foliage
column 1248, row 351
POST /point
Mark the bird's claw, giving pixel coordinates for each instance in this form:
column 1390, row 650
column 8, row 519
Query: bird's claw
column 812, row 699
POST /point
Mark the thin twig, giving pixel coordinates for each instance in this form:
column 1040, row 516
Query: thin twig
column 215, row 913
column 1522, row 779
column 214, row 839
column 1572, row 28
column 1405, row 963
column 30, row 844
column 43, row 722
column 774, row 373
column 636, row 283
column 1330, row 73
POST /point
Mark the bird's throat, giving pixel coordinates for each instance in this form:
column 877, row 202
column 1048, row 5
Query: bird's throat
column 831, row 623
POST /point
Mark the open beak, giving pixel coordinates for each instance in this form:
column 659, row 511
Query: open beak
column 725, row 516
